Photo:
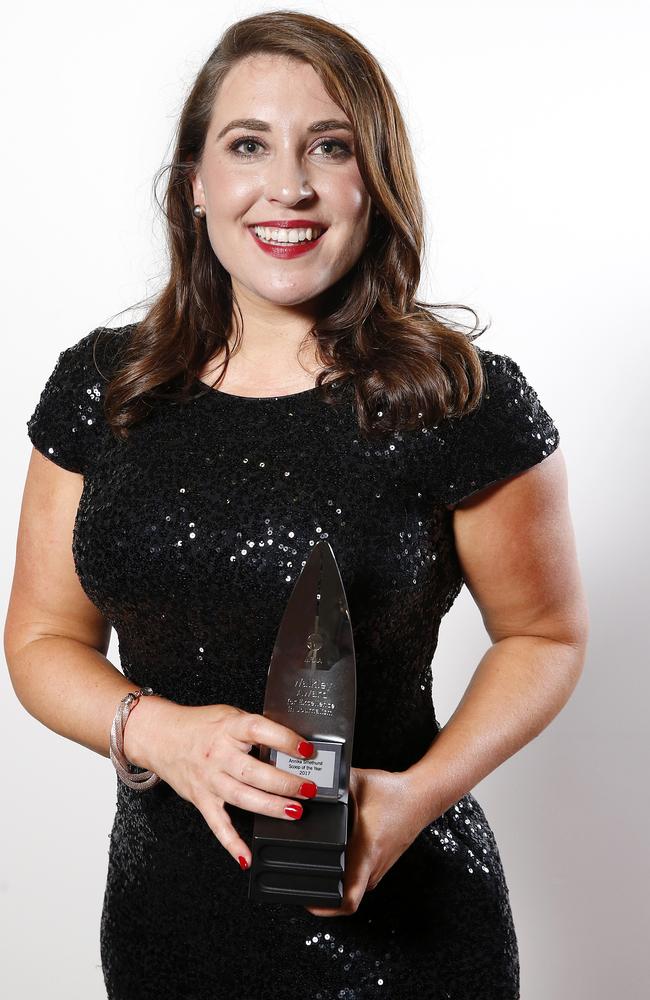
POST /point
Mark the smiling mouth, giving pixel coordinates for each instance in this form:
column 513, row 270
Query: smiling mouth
column 287, row 237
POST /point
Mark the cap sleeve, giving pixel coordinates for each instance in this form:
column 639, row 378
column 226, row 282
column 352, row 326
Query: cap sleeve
column 64, row 425
column 509, row 432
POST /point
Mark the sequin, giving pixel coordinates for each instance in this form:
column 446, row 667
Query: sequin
column 188, row 538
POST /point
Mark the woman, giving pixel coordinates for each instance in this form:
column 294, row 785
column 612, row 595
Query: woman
column 287, row 386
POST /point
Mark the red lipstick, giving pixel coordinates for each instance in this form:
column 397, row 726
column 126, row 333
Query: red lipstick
column 288, row 251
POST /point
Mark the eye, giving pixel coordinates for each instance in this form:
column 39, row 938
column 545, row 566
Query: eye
column 343, row 150
column 238, row 142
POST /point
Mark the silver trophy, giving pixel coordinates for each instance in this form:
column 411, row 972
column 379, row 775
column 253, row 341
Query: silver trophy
column 311, row 687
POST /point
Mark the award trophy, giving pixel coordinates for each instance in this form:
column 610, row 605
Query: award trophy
column 311, row 687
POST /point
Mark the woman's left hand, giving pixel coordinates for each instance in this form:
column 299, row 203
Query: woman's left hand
column 385, row 823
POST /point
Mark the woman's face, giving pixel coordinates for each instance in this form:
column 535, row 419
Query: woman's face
column 278, row 169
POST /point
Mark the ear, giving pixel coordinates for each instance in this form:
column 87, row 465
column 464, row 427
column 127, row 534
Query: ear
column 197, row 189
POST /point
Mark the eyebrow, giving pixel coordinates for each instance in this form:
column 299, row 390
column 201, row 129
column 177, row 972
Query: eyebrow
column 257, row 125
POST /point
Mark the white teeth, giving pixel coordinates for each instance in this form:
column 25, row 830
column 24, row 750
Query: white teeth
column 286, row 235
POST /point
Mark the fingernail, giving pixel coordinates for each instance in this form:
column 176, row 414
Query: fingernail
column 305, row 748
column 243, row 863
column 308, row 788
column 294, row 810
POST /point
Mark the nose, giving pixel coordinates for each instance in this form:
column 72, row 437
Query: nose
column 288, row 180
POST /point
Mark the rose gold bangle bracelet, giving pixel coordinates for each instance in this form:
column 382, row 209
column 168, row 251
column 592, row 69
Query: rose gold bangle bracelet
column 141, row 780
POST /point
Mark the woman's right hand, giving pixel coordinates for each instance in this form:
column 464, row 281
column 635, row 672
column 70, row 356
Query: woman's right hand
column 203, row 752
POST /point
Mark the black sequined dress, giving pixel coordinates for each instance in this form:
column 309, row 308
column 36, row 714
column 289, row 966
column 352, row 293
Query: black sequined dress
column 189, row 538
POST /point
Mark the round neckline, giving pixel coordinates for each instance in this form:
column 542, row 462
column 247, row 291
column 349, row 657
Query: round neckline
column 259, row 399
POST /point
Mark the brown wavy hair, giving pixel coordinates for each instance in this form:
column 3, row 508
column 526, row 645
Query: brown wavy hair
column 402, row 358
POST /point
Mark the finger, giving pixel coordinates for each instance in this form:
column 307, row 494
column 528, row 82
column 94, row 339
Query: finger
column 256, row 800
column 221, row 825
column 257, row 773
column 255, row 728
column 349, row 904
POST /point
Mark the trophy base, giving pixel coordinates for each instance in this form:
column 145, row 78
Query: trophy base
column 300, row 861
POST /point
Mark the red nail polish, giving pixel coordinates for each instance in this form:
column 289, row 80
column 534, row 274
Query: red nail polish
column 308, row 788
column 243, row 863
column 294, row 810
column 305, row 748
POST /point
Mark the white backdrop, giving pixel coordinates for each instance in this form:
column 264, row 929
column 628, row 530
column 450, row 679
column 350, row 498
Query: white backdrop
column 529, row 123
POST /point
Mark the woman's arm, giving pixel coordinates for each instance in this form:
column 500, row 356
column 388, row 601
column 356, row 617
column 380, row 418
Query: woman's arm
column 54, row 637
column 516, row 548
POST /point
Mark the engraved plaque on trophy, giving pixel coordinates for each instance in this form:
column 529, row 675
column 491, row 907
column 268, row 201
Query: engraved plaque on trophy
column 311, row 687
